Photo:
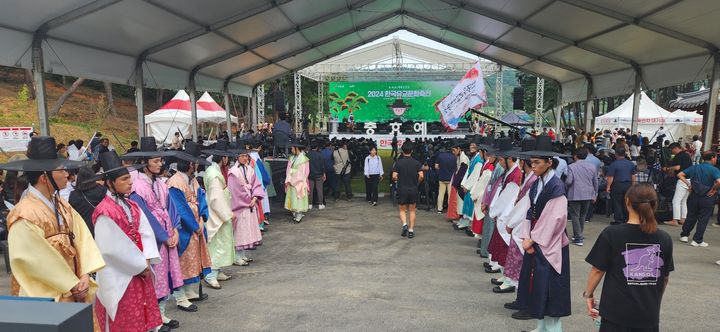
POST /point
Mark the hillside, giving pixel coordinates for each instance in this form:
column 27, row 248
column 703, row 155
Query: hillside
column 82, row 114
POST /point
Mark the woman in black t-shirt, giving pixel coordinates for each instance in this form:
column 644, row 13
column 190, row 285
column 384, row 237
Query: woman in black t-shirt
column 636, row 260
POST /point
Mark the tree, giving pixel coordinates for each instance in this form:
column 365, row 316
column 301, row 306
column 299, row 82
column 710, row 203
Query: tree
column 110, row 100
column 55, row 110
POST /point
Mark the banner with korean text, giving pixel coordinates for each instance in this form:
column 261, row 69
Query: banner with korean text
column 467, row 94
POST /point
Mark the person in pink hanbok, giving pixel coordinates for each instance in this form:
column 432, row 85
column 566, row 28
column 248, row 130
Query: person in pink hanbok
column 247, row 192
column 153, row 193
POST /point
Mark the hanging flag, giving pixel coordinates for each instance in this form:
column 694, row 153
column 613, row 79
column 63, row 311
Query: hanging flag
column 469, row 93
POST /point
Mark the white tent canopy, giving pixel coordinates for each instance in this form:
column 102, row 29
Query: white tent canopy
column 600, row 44
column 175, row 116
column 650, row 118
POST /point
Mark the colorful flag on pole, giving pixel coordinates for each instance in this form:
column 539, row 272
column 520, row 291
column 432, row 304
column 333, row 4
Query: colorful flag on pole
column 469, row 93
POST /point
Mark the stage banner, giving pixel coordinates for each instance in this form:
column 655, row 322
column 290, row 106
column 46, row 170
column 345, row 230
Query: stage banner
column 468, row 94
column 385, row 101
column 14, row 139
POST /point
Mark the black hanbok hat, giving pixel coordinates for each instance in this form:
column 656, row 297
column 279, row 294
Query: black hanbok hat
column 42, row 156
column 191, row 154
column 148, row 149
column 504, row 147
column 221, row 149
column 527, row 144
column 112, row 167
column 543, row 149
column 487, row 143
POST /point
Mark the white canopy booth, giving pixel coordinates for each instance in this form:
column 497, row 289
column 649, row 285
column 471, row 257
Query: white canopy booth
column 175, row 116
column 650, row 118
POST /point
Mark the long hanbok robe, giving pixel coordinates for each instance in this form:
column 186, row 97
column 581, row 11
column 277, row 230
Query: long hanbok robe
column 455, row 201
column 469, row 181
column 488, row 224
column 499, row 209
column 262, row 174
column 544, row 288
column 184, row 208
column 44, row 261
column 477, row 194
column 221, row 243
column 168, row 275
column 243, row 186
column 515, row 220
column 296, row 183
column 126, row 302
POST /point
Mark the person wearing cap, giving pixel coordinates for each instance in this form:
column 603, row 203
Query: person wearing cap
column 454, row 199
column 150, row 192
column 219, row 226
column 185, row 209
column 544, row 287
column 514, row 221
column 246, row 192
column 126, row 299
column 467, row 183
column 52, row 252
column 296, row 182
column 508, row 187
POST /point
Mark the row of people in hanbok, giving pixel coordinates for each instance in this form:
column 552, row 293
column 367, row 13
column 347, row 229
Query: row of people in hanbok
column 511, row 200
column 154, row 237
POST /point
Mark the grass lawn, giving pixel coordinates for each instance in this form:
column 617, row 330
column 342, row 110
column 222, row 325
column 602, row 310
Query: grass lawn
column 358, row 183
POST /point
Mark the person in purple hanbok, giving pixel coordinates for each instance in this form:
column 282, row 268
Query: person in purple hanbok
column 151, row 193
column 247, row 192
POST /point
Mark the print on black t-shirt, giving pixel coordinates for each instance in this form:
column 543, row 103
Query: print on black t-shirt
column 643, row 264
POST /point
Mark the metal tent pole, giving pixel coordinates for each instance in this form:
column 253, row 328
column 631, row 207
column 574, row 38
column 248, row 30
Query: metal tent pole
column 558, row 110
column 193, row 107
column 710, row 131
column 139, row 97
column 588, row 106
column 39, row 79
column 226, row 103
column 636, row 101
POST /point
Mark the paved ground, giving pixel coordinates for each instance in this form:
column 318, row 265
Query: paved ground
column 346, row 268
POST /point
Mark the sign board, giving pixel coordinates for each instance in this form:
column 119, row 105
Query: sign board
column 385, row 101
column 15, row 139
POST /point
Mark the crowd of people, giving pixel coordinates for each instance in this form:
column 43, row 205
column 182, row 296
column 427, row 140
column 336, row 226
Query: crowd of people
column 188, row 212
column 139, row 230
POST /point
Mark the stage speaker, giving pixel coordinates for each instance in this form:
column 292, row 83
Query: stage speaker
column 518, row 98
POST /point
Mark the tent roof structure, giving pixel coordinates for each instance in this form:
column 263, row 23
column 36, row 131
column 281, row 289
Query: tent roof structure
column 178, row 110
column 623, row 113
column 395, row 59
column 600, row 44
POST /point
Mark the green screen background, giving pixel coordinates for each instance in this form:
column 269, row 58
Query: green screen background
column 422, row 97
